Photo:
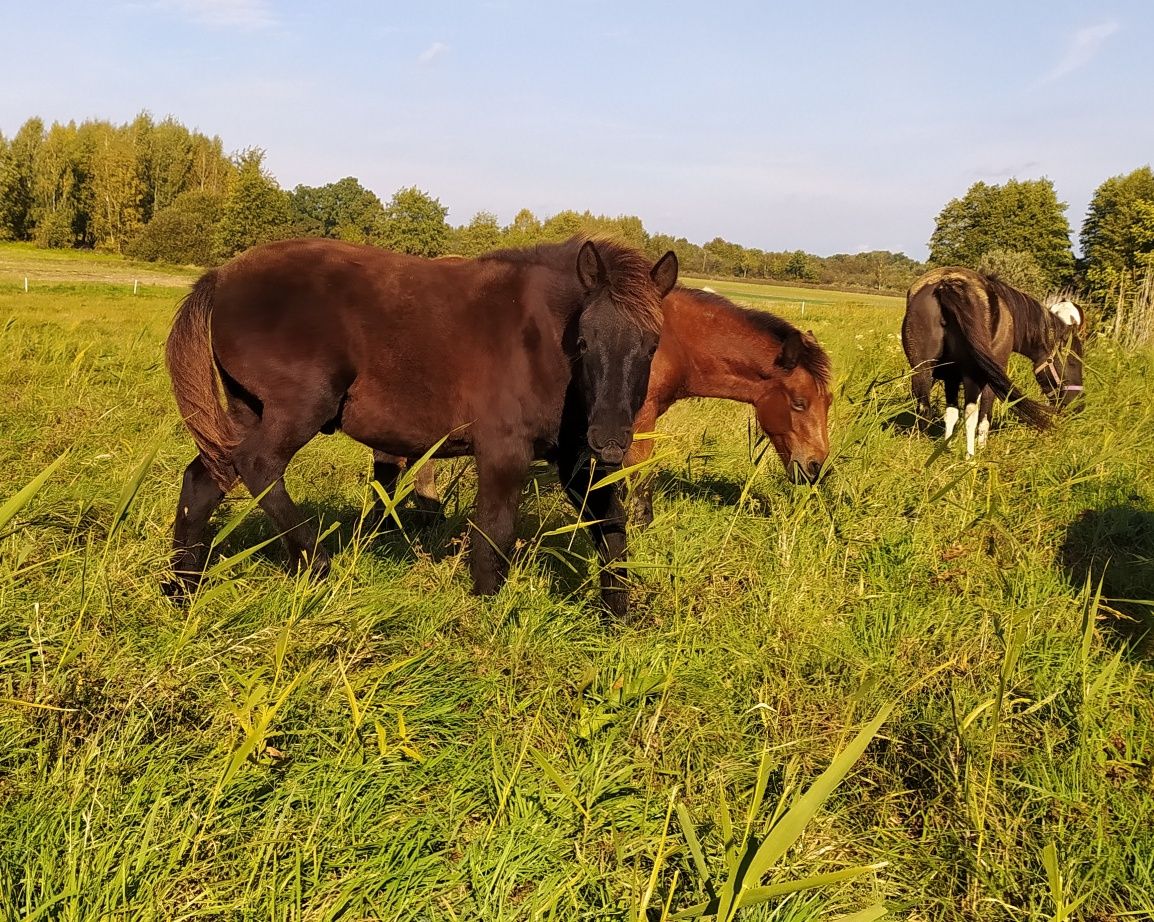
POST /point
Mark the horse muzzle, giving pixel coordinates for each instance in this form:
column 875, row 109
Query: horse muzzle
column 800, row 473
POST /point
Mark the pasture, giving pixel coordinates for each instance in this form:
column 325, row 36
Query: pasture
column 385, row 745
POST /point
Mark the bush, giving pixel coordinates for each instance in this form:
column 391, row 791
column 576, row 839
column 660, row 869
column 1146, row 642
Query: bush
column 182, row 233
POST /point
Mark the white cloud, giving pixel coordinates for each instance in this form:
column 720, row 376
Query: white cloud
column 1083, row 48
column 434, row 51
column 245, row 14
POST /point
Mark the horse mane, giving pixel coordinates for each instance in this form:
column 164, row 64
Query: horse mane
column 631, row 287
column 1034, row 325
column 814, row 358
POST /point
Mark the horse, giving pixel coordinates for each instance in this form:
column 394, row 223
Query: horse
column 710, row 347
column 530, row 353
column 960, row 327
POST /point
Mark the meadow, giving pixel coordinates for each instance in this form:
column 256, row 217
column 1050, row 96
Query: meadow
column 921, row 687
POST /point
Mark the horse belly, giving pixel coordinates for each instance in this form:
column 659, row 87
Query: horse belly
column 406, row 419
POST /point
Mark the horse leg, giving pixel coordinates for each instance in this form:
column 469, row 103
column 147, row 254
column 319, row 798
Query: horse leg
column 607, row 514
column 921, row 384
column 985, row 408
column 500, row 479
column 260, row 460
column 199, row 497
column 973, row 391
column 387, row 471
column 641, row 489
column 952, row 386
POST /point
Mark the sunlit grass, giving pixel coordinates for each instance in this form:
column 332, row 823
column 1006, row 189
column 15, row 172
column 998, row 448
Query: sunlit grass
column 385, row 745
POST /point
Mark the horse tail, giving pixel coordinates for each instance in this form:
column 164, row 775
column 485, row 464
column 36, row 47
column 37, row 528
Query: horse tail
column 197, row 384
column 957, row 300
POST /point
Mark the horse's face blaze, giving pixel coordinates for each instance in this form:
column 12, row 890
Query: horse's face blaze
column 613, row 356
column 794, row 414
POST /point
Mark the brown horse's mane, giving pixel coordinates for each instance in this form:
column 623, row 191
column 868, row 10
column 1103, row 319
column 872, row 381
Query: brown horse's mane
column 1034, row 326
column 631, row 287
column 814, row 358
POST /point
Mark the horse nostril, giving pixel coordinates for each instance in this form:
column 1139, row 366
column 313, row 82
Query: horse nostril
column 814, row 470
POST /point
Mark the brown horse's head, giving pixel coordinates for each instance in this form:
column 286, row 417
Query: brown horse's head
column 794, row 407
column 617, row 333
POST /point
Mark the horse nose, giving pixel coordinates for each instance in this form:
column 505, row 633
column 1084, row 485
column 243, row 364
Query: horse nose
column 807, row 472
column 609, row 448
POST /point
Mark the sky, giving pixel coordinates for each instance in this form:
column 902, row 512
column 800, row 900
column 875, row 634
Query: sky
column 832, row 127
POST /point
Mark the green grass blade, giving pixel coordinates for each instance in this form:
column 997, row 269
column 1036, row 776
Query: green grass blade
column 22, row 497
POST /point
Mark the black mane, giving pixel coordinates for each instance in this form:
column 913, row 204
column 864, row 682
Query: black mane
column 1035, row 328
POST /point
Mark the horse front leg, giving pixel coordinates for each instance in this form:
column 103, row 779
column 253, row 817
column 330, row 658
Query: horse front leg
column 606, row 512
column 500, row 479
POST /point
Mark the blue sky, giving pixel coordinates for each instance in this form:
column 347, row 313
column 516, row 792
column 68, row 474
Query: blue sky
column 829, row 126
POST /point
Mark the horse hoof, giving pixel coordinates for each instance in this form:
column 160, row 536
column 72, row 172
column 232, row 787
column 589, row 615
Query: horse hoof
column 616, row 604
column 177, row 591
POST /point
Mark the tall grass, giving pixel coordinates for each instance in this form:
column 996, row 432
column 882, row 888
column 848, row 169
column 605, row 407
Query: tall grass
column 385, row 745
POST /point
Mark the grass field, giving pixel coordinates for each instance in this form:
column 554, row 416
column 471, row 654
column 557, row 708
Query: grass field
column 383, row 745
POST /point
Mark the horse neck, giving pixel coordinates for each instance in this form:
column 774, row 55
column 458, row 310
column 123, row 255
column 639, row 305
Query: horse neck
column 1037, row 334
column 725, row 356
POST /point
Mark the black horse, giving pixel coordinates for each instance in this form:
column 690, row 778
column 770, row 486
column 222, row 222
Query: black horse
column 960, row 328
column 542, row 352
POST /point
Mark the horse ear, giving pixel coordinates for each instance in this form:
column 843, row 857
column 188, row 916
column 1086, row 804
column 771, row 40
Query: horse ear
column 809, row 339
column 590, row 268
column 664, row 273
column 790, row 352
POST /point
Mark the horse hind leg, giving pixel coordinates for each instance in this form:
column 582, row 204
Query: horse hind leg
column 921, row 384
column 200, row 495
column 952, row 387
column 985, row 408
column 973, row 391
column 261, row 460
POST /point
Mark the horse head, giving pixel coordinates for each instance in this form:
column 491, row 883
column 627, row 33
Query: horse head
column 1060, row 376
column 617, row 334
column 793, row 411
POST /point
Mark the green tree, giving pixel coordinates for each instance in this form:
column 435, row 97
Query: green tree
column 480, row 235
column 182, row 233
column 524, row 230
column 1023, row 216
column 1016, row 268
column 414, row 222
column 17, row 169
column 58, row 211
column 1118, row 233
column 800, row 266
column 342, row 210
column 114, row 185
column 254, row 210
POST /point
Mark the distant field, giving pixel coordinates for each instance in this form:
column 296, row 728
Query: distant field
column 20, row 261
column 384, row 745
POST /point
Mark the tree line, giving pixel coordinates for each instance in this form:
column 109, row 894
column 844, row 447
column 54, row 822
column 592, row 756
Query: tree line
column 157, row 190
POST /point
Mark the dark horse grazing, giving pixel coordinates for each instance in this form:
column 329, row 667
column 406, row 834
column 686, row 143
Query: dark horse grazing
column 710, row 347
column 543, row 352
column 960, row 328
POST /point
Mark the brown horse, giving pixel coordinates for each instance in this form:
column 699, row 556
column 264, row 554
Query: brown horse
column 710, row 347
column 543, row 352
column 960, row 328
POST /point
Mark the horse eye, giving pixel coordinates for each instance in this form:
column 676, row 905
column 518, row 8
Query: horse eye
column 582, row 346
column 800, row 405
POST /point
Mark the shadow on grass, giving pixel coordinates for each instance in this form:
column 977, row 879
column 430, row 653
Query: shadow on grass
column 428, row 530
column 1115, row 547
column 706, row 488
